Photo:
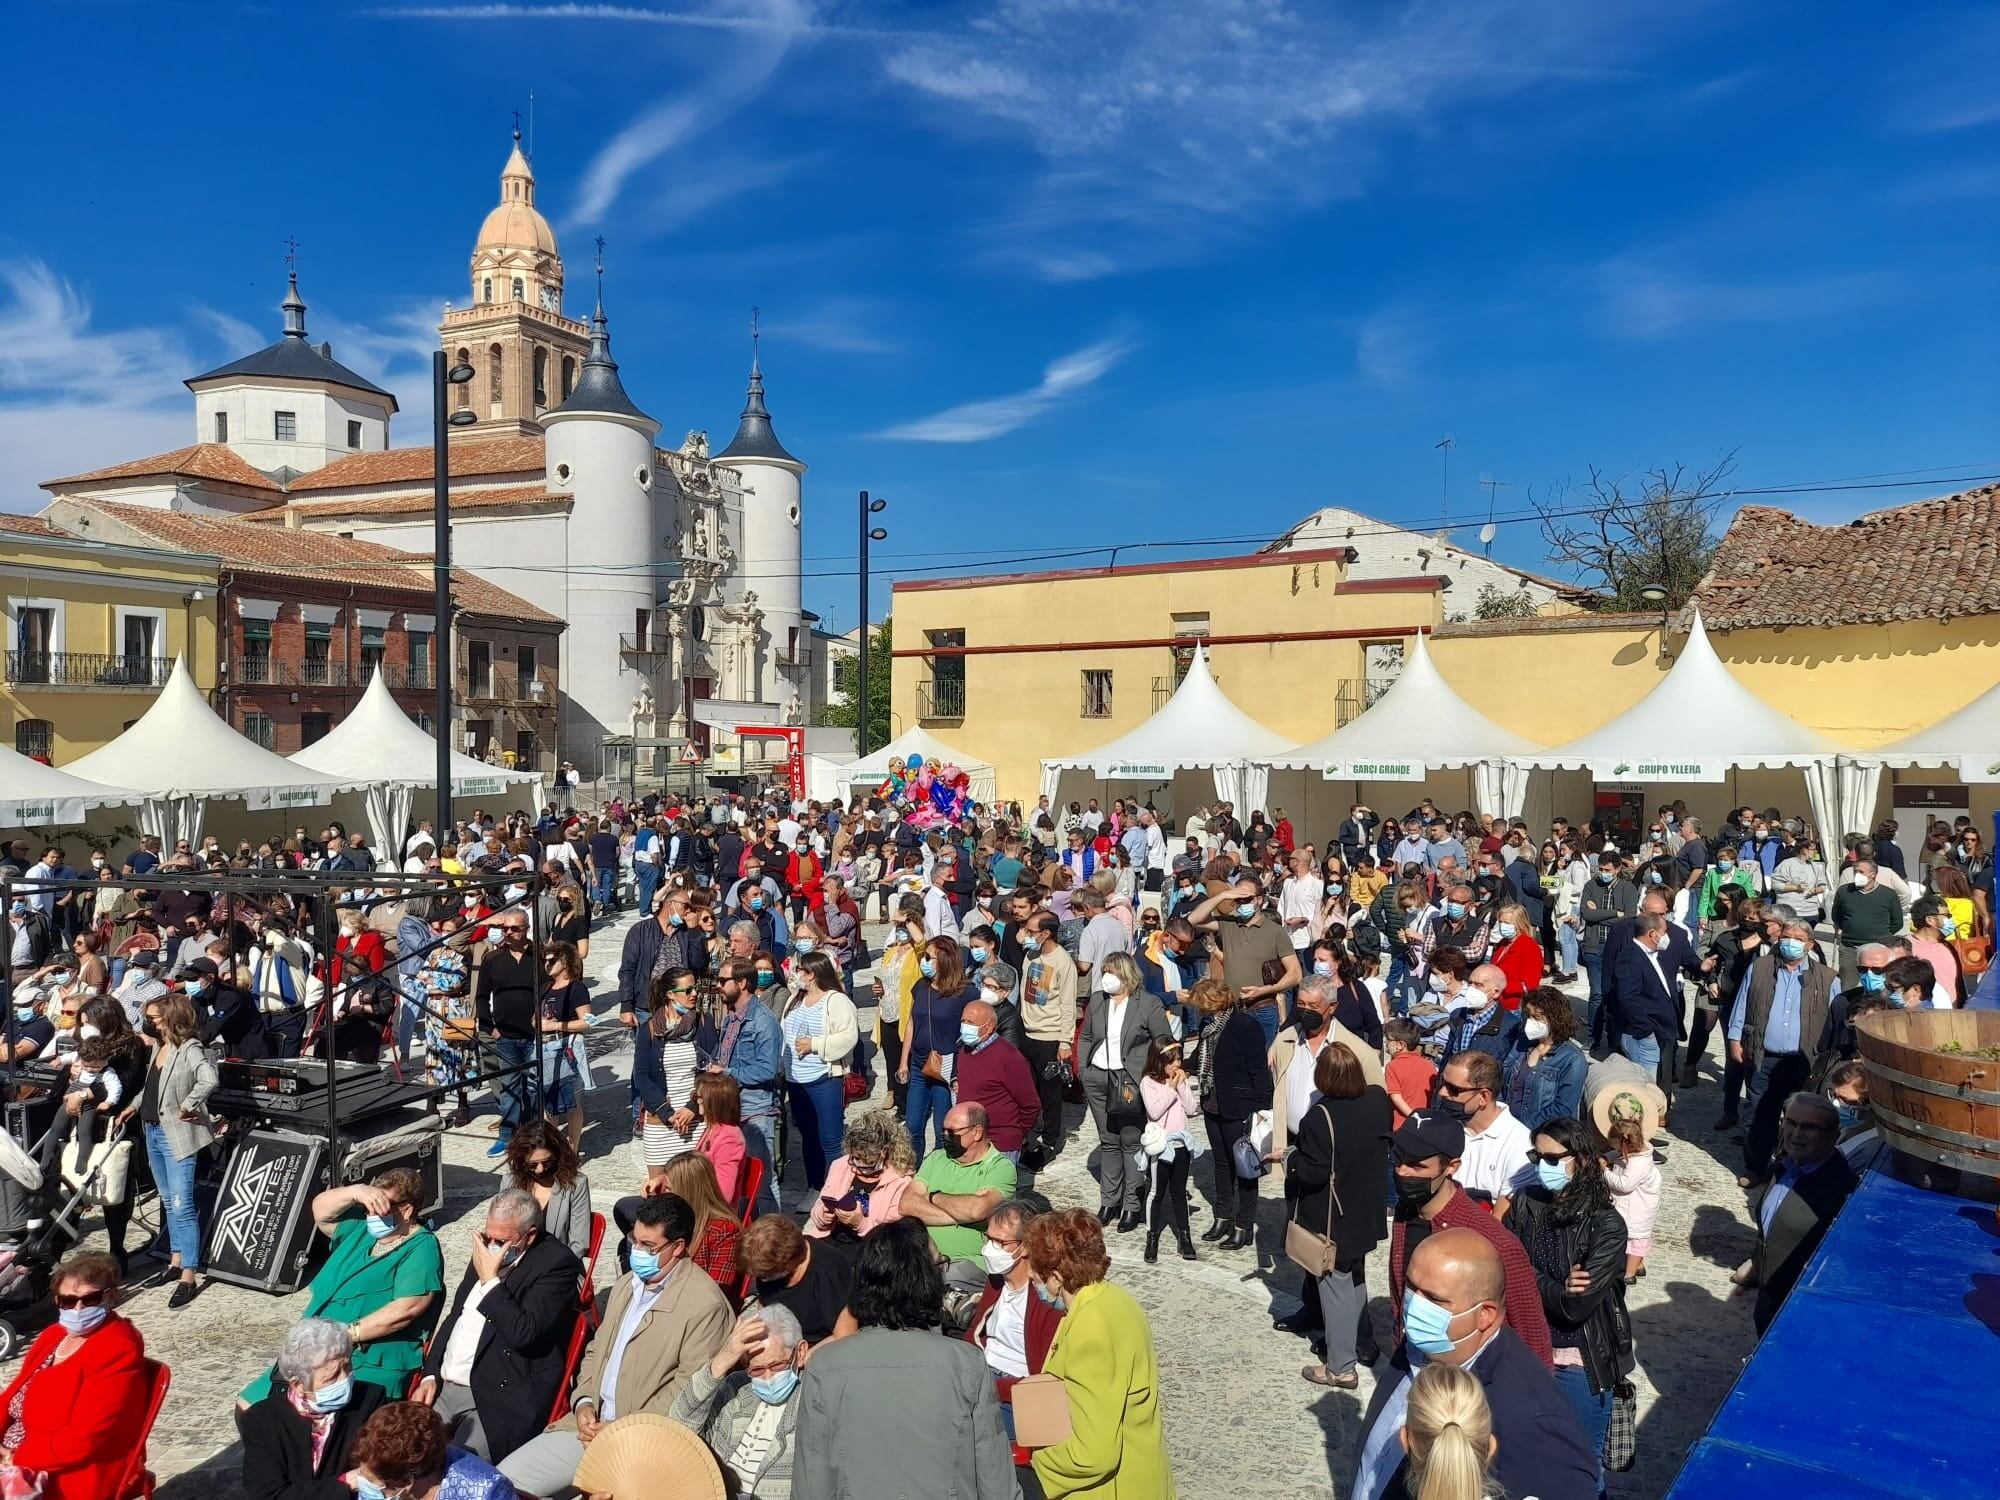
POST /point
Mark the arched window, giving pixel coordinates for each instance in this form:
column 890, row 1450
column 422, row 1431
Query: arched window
column 486, row 290
column 568, row 376
column 496, row 387
column 517, row 289
column 36, row 737
column 541, row 378
column 464, row 357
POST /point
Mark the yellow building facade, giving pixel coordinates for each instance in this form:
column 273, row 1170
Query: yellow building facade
column 1017, row 668
column 92, row 630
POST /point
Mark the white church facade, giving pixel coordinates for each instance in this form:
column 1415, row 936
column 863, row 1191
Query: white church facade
column 677, row 570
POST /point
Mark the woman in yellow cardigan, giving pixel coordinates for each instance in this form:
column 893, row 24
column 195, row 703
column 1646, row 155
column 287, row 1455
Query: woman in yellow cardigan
column 1103, row 1353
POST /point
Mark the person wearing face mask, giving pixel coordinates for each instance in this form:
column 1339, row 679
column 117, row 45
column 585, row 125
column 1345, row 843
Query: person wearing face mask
column 506, row 989
column 1103, row 1354
column 820, row 1030
column 403, row 1453
column 993, row 1074
column 300, row 1439
column 496, row 1364
column 1864, row 910
column 1932, row 928
column 1012, row 1326
column 865, row 1184
column 1120, row 1022
column 78, row 1399
column 172, row 1107
column 1456, row 1306
column 1847, row 1089
column 667, row 1057
column 542, row 1163
column 1575, row 1240
column 742, row 1402
column 1253, row 944
column 1646, row 1002
column 662, row 1322
column 1812, row 1182
column 1544, row 1070
column 1780, row 1014
column 383, row 1280
column 930, row 1041
column 1606, row 898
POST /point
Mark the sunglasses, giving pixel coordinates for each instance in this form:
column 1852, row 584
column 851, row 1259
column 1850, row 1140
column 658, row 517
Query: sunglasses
column 1553, row 1158
column 69, row 1300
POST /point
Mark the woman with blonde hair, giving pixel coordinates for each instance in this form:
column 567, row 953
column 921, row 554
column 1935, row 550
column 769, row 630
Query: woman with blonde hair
column 1121, row 1022
column 1516, row 952
column 1448, row 1434
column 712, row 1246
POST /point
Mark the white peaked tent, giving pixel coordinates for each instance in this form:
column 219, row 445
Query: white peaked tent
column 34, row 794
column 1967, row 742
column 1198, row 729
column 380, row 749
column 181, row 756
column 1420, row 725
column 869, row 771
column 1697, row 725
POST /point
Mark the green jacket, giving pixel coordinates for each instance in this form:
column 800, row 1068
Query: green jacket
column 1117, row 1447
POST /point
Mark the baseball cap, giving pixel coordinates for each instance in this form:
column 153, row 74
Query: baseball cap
column 144, row 958
column 203, row 966
column 1427, row 1133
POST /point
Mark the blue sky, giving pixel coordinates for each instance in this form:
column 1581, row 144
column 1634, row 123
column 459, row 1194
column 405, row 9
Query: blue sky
column 1061, row 274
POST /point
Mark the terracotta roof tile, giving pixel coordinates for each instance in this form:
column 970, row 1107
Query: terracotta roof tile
column 1934, row 560
column 390, row 505
column 213, row 461
column 30, row 525
column 507, row 455
column 283, row 552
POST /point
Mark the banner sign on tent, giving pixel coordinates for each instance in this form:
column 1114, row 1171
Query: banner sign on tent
column 1374, row 770
column 1133, row 770
column 263, row 799
column 1699, row 768
column 479, row 786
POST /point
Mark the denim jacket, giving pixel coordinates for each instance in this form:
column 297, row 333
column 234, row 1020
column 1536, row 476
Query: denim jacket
column 1552, row 1091
column 757, row 1061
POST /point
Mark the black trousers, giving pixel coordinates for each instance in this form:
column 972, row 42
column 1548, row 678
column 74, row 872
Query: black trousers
column 1049, row 1128
column 892, row 1057
column 1168, row 1207
column 1235, row 1197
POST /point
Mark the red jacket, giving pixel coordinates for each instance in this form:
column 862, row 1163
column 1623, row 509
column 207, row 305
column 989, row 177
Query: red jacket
column 998, row 1079
column 1043, row 1320
column 83, row 1416
column 1524, row 1297
column 1520, row 959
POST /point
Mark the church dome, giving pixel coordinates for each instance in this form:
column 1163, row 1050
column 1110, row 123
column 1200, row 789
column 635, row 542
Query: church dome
column 516, row 224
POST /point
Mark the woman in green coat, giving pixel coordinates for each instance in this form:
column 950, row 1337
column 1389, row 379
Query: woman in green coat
column 1103, row 1353
column 384, row 1280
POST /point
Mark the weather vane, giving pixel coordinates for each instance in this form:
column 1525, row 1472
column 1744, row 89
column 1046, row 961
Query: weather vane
column 755, row 314
column 291, row 254
column 517, row 124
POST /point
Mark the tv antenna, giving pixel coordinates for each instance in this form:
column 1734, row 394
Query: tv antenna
column 1490, row 530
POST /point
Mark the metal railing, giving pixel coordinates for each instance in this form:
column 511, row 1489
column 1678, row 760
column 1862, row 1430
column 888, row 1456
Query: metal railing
column 639, row 645
column 271, row 671
column 1354, row 696
column 86, row 669
column 941, row 699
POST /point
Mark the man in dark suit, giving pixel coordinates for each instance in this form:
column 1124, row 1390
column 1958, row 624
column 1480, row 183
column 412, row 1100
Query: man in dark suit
column 1357, row 835
column 1458, row 1295
column 1644, row 960
column 495, row 1366
column 1800, row 1203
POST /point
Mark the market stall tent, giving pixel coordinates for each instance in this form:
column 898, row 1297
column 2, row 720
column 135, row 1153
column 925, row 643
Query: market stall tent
column 865, row 774
column 1197, row 729
column 180, row 756
column 379, row 749
column 1967, row 742
column 1696, row 727
column 32, row 794
column 1420, row 725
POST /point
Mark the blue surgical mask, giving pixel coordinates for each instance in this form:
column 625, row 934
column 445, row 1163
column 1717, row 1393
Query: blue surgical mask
column 803, row 945
column 334, row 1395
column 1725, row 865
column 1427, row 1326
column 1245, row 910
column 24, row 1012
column 78, row 1321
column 1047, row 1296
column 756, row 903
column 1321, row 966
column 368, row 1489
column 1334, row 887
column 766, row 978
column 1872, row 981
column 1605, row 877
column 645, row 1263
column 775, row 1390
column 1503, row 932
column 1948, row 927
column 1791, row 949
column 979, row 955
column 929, row 966
column 380, row 1227
column 1553, row 1175
column 968, row 1034
column 1454, row 909
column 1653, row 877
column 1851, row 1115
column 674, row 919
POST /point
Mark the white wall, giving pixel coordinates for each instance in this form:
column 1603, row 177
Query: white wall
column 1386, row 552
column 322, row 417
column 491, row 546
column 768, row 564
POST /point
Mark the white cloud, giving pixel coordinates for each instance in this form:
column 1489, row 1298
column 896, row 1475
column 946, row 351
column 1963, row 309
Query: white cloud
column 788, row 22
column 1160, row 124
column 838, row 325
column 977, row 421
column 1650, row 297
column 1389, row 346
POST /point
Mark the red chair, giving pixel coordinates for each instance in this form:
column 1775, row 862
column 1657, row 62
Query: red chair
column 579, row 1336
column 137, row 1481
column 753, row 1182
column 588, row 1294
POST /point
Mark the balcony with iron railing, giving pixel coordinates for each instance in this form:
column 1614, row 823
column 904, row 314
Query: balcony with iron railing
column 86, row 669
column 941, row 699
column 630, row 644
column 270, row 671
column 1354, row 696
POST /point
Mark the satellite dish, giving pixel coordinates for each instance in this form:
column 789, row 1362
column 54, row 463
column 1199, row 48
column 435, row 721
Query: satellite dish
column 1487, row 533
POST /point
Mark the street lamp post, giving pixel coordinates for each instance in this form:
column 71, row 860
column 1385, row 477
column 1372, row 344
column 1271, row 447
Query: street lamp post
column 876, row 534
column 443, row 419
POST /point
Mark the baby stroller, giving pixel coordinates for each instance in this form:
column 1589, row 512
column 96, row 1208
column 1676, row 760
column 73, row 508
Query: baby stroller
column 39, row 1214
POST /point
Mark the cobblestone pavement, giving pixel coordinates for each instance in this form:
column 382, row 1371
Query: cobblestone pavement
column 1240, row 1421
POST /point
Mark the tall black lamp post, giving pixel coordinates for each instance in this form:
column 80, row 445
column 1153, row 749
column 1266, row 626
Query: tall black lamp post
column 869, row 508
column 443, row 419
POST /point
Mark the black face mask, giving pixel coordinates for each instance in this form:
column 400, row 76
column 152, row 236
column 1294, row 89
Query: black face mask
column 1412, row 1193
column 1451, row 1109
column 954, row 1147
column 1311, row 1023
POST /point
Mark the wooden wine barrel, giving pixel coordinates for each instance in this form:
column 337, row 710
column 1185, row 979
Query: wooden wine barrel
column 1941, row 1107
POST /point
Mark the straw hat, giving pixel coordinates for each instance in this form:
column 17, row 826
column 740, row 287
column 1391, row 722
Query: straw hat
column 1619, row 1089
column 649, row 1457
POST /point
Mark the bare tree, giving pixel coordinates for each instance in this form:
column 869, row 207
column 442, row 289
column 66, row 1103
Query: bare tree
column 1622, row 535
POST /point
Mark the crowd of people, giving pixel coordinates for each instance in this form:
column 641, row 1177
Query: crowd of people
column 1377, row 1024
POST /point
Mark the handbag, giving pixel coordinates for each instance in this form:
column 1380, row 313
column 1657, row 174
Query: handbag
column 1621, row 1437
column 1041, row 1411
column 1975, row 954
column 459, row 1030
column 1307, row 1249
